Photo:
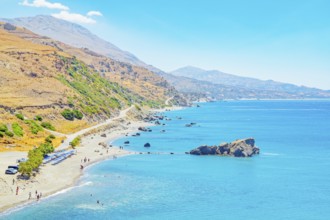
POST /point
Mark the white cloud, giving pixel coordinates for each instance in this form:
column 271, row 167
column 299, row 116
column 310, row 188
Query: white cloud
column 64, row 13
column 44, row 4
column 94, row 13
column 72, row 17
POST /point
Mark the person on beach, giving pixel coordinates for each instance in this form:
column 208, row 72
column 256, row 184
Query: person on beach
column 81, row 167
column 36, row 192
column 17, row 190
column 29, row 195
column 38, row 197
column 13, row 181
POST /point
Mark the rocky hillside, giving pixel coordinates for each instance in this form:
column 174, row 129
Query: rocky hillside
column 51, row 89
column 73, row 35
column 153, row 88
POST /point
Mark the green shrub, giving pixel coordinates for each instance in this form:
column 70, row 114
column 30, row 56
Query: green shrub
column 35, row 128
column 75, row 142
column 48, row 126
column 68, row 114
column 78, row 114
column 137, row 107
column 17, row 129
column 46, row 148
column 20, row 116
column 38, row 118
column 114, row 103
column 25, row 168
column 3, row 128
column 71, row 115
column 9, row 134
column 1, row 135
column 48, row 140
column 35, row 158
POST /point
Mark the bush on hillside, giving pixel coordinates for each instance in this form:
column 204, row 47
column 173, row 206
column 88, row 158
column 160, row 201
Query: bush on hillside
column 17, row 129
column 49, row 139
column 68, row 114
column 9, row 134
column 3, row 128
column 71, row 115
column 20, row 116
column 35, row 128
column 114, row 103
column 38, row 118
column 78, row 114
column 48, row 126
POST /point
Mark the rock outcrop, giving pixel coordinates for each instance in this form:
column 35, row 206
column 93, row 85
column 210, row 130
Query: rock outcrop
column 238, row 148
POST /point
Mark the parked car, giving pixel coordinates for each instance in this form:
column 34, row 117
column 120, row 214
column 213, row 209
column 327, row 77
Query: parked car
column 11, row 171
column 13, row 167
column 21, row 160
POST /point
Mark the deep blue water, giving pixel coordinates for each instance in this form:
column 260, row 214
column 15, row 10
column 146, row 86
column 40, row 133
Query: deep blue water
column 290, row 179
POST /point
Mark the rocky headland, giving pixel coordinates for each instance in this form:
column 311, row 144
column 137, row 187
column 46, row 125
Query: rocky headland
column 238, row 148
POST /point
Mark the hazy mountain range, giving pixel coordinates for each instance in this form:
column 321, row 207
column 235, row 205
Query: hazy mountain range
column 73, row 35
column 246, row 87
column 192, row 81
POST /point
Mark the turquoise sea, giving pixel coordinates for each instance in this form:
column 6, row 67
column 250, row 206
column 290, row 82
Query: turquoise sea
column 290, row 179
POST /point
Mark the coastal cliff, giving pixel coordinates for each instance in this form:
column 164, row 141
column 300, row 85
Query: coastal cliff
column 238, row 148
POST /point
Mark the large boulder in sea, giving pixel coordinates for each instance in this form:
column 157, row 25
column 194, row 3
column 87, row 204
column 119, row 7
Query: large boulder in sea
column 238, row 148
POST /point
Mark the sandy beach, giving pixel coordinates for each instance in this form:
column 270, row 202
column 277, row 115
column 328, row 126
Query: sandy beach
column 54, row 178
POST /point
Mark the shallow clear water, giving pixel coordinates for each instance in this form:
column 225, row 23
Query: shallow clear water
column 290, row 179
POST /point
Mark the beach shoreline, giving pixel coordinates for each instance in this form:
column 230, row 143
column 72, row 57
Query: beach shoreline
column 53, row 179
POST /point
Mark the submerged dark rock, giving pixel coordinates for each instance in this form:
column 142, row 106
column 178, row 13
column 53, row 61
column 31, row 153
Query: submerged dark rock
column 147, row 145
column 144, row 129
column 191, row 124
column 238, row 148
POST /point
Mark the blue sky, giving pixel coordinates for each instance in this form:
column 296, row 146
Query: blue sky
column 287, row 41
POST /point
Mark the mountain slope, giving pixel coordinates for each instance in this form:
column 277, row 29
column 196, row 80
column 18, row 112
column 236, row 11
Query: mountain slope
column 46, row 81
column 74, row 35
column 151, row 87
column 272, row 88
